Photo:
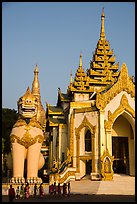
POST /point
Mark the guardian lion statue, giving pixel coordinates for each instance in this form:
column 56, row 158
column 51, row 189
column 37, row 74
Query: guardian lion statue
column 26, row 138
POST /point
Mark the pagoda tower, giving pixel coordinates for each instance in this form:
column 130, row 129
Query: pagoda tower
column 36, row 92
column 81, row 80
column 103, row 69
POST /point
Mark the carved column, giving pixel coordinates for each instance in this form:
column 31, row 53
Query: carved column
column 102, row 132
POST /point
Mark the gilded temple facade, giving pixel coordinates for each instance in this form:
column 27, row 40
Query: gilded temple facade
column 91, row 130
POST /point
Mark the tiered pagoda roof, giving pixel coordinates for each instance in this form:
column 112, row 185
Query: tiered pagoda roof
column 103, row 69
column 81, row 80
column 54, row 115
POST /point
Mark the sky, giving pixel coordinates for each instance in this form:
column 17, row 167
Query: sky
column 52, row 35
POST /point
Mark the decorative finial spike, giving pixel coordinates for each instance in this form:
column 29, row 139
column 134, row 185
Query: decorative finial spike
column 102, row 33
column 80, row 61
column 35, row 84
column 70, row 77
column 36, row 69
column 103, row 12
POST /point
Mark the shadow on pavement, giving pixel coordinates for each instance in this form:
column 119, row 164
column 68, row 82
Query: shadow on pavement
column 76, row 198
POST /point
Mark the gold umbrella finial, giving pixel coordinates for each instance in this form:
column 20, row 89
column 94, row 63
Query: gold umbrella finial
column 102, row 33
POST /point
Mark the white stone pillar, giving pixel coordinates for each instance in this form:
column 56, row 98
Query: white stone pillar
column 109, row 140
column 102, row 132
column 60, row 144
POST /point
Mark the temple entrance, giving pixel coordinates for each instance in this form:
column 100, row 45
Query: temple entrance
column 88, row 167
column 121, row 155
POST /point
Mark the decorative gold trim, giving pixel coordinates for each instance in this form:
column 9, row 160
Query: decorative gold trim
column 26, row 140
column 71, row 132
column 85, row 124
column 124, row 106
column 107, row 165
column 69, row 173
column 33, row 122
column 84, row 157
column 124, row 83
column 80, row 104
column 83, row 110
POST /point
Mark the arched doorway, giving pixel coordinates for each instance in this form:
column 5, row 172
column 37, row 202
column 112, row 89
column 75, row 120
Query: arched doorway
column 123, row 145
column 121, row 154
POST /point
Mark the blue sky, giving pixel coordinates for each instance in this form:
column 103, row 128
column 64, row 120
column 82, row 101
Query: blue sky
column 52, row 35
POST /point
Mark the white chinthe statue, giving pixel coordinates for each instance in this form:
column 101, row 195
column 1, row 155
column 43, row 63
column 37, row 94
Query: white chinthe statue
column 26, row 138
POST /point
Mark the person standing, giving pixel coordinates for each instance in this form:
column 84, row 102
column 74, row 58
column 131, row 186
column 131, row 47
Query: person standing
column 27, row 192
column 17, row 192
column 11, row 193
column 54, row 188
column 22, row 191
column 35, row 189
column 64, row 189
column 41, row 190
column 59, row 188
column 69, row 188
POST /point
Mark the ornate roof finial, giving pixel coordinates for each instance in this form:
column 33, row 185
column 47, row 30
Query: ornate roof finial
column 36, row 69
column 80, row 61
column 102, row 33
column 71, row 77
column 35, row 84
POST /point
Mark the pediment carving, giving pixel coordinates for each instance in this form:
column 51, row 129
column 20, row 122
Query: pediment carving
column 124, row 83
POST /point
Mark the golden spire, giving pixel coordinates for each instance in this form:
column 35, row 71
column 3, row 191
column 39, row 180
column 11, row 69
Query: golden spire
column 80, row 61
column 35, row 84
column 102, row 33
column 70, row 77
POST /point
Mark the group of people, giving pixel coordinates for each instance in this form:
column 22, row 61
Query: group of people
column 41, row 190
column 24, row 191
column 65, row 189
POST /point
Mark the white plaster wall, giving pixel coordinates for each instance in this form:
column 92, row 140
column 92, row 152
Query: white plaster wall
column 54, row 141
column 82, row 142
column 81, row 97
column 91, row 116
column 82, row 168
column 115, row 102
column 64, row 145
column 93, row 119
column 75, row 144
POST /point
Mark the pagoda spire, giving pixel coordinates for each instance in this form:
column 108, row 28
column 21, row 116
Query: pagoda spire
column 36, row 93
column 102, row 32
column 80, row 61
column 71, row 80
column 35, row 84
column 103, row 69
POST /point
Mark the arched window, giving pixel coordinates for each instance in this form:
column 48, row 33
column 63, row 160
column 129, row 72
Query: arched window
column 88, row 141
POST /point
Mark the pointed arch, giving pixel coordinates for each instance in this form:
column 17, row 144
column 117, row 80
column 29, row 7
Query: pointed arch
column 85, row 123
column 88, row 141
column 124, row 106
